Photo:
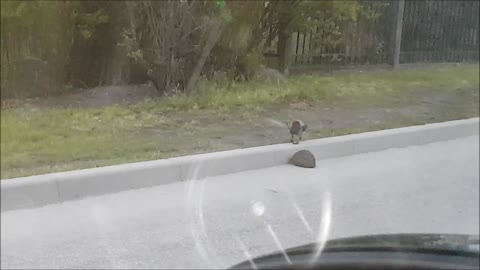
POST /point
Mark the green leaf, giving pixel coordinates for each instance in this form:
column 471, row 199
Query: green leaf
column 220, row 3
column 86, row 34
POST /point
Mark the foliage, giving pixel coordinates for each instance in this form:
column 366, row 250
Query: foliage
column 304, row 16
column 238, row 53
column 37, row 42
column 364, row 87
column 171, row 38
column 47, row 140
column 88, row 22
column 36, row 38
column 46, row 45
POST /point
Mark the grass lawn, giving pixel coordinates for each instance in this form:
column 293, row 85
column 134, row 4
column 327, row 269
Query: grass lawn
column 43, row 140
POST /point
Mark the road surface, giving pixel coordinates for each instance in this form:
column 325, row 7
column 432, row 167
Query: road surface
column 216, row 223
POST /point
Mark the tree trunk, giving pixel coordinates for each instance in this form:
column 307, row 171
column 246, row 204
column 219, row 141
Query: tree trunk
column 284, row 49
column 117, row 68
column 284, row 46
column 212, row 38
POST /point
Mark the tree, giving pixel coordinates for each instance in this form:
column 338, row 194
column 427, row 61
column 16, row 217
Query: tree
column 173, row 40
column 282, row 18
column 49, row 44
column 36, row 38
column 236, row 52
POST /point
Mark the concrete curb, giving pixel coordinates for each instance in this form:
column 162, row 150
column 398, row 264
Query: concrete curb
column 34, row 191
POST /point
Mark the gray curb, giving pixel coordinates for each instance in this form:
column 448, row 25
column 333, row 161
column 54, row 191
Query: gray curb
column 34, row 191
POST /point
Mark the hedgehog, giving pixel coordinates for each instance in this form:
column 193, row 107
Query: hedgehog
column 296, row 130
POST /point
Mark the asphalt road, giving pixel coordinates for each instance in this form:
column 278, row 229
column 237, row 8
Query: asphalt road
column 216, row 223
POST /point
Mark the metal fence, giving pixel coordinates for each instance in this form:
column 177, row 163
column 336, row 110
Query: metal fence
column 440, row 31
column 432, row 31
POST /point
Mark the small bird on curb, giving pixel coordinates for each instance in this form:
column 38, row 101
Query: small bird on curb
column 296, row 130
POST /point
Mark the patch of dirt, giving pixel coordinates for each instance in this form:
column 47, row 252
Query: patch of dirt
column 203, row 132
column 94, row 97
column 186, row 133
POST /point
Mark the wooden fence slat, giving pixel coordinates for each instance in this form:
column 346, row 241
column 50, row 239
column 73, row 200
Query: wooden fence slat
column 433, row 31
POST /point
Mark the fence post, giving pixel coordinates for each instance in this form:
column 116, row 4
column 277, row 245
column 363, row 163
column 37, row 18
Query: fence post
column 397, row 38
column 285, row 52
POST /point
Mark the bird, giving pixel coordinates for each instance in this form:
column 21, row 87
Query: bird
column 296, row 130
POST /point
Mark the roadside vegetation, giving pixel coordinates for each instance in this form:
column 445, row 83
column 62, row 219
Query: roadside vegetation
column 95, row 83
column 224, row 116
column 358, row 87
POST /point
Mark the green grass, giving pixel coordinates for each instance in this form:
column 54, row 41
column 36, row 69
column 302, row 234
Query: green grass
column 46, row 140
column 65, row 135
column 367, row 87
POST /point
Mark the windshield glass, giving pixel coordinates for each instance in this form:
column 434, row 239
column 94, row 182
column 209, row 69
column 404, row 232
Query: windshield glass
column 200, row 134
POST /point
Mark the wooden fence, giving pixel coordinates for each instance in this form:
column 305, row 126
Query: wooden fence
column 411, row 31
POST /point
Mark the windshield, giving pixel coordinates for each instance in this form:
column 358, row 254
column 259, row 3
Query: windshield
column 200, row 134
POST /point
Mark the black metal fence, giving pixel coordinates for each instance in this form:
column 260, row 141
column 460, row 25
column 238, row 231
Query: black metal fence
column 433, row 31
column 440, row 31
